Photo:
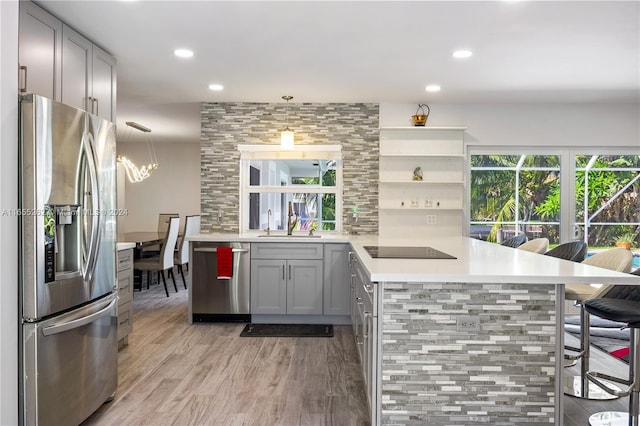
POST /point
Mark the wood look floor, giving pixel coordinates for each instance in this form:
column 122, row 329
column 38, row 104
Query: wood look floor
column 173, row 373
column 577, row 410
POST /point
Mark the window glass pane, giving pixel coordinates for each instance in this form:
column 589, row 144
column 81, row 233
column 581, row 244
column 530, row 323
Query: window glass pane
column 511, row 194
column 607, row 198
column 292, row 172
column 492, row 195
column 312, row 210
column 495, row 160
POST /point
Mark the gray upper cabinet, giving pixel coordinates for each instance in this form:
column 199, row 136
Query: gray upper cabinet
column 104, row 84
column 76, row 69
column 337, row 277
column 39, row 51
column 88, row 75
column 61, row 64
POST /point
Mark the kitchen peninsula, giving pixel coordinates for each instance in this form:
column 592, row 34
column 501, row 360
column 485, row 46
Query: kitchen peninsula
column 458, row 341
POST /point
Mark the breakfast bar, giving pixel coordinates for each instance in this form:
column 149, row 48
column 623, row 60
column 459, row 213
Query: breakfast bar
column 470, row 337
column 473, row 339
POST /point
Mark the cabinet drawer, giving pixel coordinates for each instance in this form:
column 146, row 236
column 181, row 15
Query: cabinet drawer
column 125, row 259
column 125, row 315
column 286, row 251
column 125, row 286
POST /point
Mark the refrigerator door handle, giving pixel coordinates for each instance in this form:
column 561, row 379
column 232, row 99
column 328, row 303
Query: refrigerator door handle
column 70, row 325
column 87, row 144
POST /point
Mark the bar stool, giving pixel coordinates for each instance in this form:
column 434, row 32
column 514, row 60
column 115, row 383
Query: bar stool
column 616, row 259
column 623, row 310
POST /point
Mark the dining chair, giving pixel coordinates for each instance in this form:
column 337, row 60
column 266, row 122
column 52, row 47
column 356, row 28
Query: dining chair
column 163, row 225
column 181, row 255
column 616, row 259
column 537, row 245
column 164, row 261
column 574, row 251
column 515, row 241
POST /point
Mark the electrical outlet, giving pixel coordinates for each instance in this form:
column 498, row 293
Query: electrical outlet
column 431, row 219
column 468, row 323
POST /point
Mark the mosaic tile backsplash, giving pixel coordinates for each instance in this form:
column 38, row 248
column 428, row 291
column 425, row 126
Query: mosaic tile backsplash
column 225, row 125
column 433, row 374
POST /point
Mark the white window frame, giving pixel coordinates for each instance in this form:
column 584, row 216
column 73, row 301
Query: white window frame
column 299, row 152
column 567, row 175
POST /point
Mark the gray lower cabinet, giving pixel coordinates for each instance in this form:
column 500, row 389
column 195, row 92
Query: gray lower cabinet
column 364, row 318
column 337, row 290
column 286, row 278
column 292, row 287
column 268, row 287
column 125, row 296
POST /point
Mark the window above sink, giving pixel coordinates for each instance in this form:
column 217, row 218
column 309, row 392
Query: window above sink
column 309, row 176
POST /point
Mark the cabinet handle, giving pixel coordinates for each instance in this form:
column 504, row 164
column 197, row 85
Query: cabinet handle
column 24, row 88
column 366, row 325
column 350, row 257
column 96, row 103
column 289, row 272
column 283, row 277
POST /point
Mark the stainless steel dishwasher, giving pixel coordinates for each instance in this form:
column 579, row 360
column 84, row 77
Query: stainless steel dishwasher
column 214, row 299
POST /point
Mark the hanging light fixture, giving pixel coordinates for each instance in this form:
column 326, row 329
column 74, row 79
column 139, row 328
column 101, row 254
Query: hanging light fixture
column 135, row 174
column 286, row 137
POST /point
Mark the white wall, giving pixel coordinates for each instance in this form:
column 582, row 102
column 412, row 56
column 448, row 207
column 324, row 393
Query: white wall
column 560, row 125
column 8, row 224
column 174, row 187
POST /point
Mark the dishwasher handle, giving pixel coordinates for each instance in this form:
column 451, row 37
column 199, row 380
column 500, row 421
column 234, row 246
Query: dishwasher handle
column 215, row 250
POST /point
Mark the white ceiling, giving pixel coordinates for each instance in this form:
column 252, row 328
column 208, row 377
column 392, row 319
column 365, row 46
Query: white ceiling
column 358, row 51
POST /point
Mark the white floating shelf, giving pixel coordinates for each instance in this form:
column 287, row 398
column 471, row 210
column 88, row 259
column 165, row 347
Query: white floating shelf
column 423, row 128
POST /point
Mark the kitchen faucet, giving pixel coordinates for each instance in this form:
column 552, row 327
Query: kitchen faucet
column 269, row 222
column 291, row 225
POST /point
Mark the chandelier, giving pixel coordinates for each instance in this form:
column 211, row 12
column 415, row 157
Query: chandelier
column 135, row 173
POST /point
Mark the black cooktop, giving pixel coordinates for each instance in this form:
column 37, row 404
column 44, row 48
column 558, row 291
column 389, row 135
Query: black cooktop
column 389, row 252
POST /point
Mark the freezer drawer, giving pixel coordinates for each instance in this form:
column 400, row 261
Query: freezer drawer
column 216, row 299
column 70, row 364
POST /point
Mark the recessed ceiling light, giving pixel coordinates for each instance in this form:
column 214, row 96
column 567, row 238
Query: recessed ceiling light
column 183, row 53
column 461, row 54
column 432, row 88
column 216, row 87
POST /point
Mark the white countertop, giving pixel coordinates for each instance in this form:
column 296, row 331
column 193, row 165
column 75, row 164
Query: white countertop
column 275, row 237
column 477, row 261
column 125, row 246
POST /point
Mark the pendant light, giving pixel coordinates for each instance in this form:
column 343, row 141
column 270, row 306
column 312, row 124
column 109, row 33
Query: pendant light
column 286, row 137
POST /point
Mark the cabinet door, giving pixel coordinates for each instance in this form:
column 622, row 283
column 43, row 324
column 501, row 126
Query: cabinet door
column 268, row 287
column 40, row 51
column 104, row 85
column 304, row 287
column 76, row 69
column 337, row 288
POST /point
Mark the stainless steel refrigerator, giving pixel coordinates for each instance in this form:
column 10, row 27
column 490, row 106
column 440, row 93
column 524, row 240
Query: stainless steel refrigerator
column 68, row 354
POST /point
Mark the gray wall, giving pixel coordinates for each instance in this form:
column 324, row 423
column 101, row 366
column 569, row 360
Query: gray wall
column 225, row 125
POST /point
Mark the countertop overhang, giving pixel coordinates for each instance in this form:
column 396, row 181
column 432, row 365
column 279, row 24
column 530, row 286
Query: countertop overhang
column 477, row 261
